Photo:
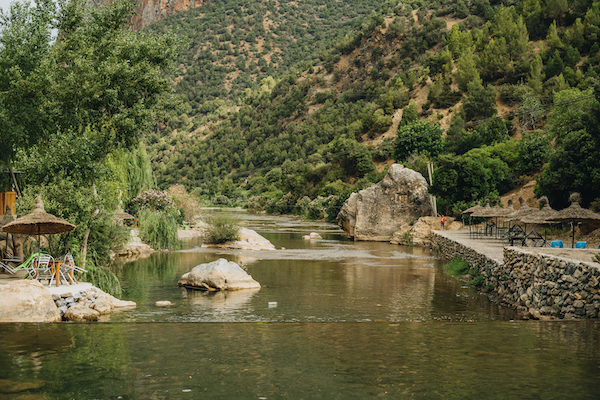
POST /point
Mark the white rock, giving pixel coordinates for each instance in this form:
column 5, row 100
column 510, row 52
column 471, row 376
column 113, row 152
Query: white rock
column 249, row 240
column 218, row 275
column 163, row 303
column 27, row 301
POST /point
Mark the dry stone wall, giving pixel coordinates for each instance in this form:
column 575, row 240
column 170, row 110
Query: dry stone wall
column 542, row 285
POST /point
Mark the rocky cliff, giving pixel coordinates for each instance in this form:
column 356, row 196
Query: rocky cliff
column 150, row 11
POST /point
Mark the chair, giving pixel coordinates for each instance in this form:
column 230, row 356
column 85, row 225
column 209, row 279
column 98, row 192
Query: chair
column 557, row 244
column 69, row 268
column 7, row 267
column 7, row 257
column 580, row 245
column 39, row 267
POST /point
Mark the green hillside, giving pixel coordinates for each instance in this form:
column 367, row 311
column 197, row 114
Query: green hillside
column 286, row 100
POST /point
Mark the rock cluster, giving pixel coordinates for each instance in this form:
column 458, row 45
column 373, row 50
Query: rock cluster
column 542, row 286
column 312, row 236
column 377, row 212
column 87, row 304
column 218, row 275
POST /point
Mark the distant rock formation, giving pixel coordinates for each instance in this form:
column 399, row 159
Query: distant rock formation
column 375, row 213
column 249, row 240
column 218, row 275
column 150, row 11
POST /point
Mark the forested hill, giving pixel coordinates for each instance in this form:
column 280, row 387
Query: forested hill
column 316, row 98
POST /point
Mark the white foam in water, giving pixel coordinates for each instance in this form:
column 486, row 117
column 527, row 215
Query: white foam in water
column 186, row 390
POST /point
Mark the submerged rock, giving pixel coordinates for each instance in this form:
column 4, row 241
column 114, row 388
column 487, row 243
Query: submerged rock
column 27, row 301
column 377, row 212
column 218, row 275
column 163, row 303
column 312, row 236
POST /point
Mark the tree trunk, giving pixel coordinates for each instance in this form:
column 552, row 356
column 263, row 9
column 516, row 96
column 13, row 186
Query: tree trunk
column 84, row 247
column 14, row 178
column 17, row 246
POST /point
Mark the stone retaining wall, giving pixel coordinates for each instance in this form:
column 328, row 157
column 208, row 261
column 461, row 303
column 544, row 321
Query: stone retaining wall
column 542, row 285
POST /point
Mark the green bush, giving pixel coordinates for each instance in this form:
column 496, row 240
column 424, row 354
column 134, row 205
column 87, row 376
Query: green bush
column 221, row 229
column 158, row 229
column 457, row 267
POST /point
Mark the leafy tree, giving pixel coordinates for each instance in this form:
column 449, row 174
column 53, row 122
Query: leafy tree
column 419, row 137
column 481, row 101
column 409, row 114
column 533, row 151
column 552, row 37
column 555, row 65
column 573, row 166
column 466, row 70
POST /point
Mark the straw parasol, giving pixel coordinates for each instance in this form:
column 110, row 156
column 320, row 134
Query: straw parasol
column 575, row 214
column 483, row 211
column 543, row 216
column 471, row 210
column 39, row 222
column 523, row 211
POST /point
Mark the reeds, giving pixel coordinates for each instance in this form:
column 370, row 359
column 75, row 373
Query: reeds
column 158, row 229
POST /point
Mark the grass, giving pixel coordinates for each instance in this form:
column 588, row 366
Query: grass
column 221, row 229
column 459, row 267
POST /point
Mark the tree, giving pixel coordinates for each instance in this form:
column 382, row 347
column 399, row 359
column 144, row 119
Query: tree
column 25, row 36
column 466, row 70
column 481, row 101
column 419, row 137
column 573, row 166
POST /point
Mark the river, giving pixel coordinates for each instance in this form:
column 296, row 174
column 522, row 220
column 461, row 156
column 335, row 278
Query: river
column 334, row 319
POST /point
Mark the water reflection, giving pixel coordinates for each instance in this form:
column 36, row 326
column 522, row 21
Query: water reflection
column 219, row 302
column 495, row 360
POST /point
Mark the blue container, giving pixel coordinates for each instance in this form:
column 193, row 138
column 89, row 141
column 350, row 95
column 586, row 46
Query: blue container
column 580, row 245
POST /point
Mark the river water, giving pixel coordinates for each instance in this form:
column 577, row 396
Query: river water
column 333, row 320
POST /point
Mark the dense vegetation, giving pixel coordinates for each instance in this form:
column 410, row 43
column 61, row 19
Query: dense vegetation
column 73, row 109
column 286, row 100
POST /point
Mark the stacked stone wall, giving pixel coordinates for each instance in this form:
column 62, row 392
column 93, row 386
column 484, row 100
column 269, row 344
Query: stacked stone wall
column 541, row 285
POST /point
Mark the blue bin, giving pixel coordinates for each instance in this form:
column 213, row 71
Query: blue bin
column 557, row 243
column 580, row 245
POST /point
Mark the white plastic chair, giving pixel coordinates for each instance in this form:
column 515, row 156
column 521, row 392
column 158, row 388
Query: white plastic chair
column 39, row 268
column 69, row 268
column 7, row 267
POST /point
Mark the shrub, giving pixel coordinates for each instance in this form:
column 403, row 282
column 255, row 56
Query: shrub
column 152, row 199
column 158, row 229
column 457, row 267
column 221, row 228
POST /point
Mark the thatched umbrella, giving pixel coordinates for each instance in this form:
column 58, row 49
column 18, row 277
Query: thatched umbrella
column 543, row 216
column 471, row 210
column 483, row 211
column 39, row 222
column 575, row 214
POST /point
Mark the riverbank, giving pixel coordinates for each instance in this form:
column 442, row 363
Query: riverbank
column 541, row 283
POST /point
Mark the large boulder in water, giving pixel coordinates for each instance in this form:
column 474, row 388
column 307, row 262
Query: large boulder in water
column 218, row 275
column 377, row 212
column 27, row 301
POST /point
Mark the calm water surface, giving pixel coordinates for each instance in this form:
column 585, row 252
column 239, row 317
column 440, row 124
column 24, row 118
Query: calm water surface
column 352, row 321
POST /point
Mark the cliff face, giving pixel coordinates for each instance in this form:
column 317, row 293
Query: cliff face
column 150, row 11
